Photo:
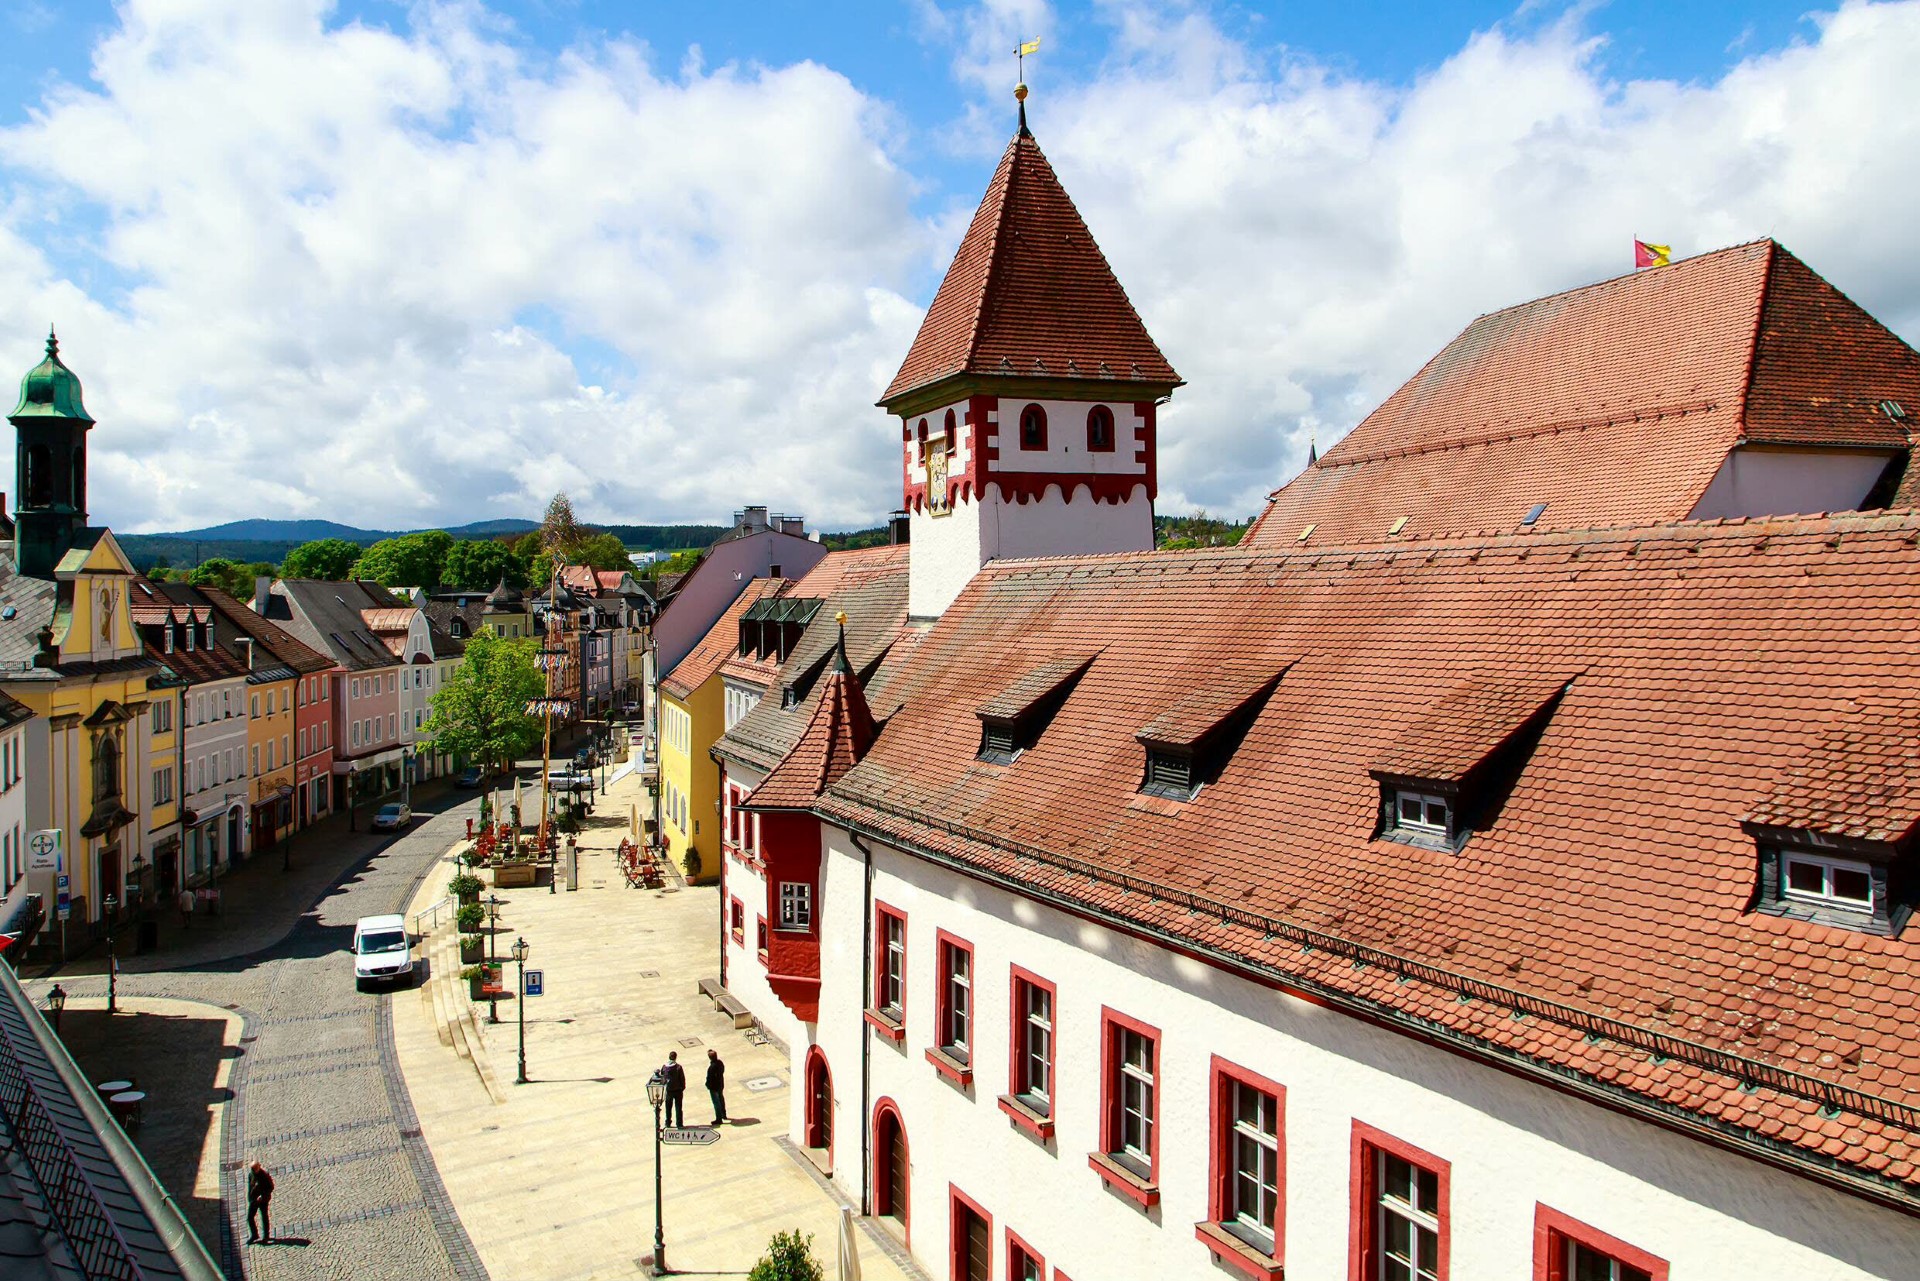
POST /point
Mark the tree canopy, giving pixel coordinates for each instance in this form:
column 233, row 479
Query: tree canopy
column 410, row 560
column 562, row 535
column 229, row 576
column 477, row 564
column 789, row 1257
column 480, row 712
column 326, row 558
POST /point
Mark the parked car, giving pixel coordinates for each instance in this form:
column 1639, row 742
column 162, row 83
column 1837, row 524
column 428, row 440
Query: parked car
column 381, row 952
column 392, row 816
column 565, row 778
column 472, row 776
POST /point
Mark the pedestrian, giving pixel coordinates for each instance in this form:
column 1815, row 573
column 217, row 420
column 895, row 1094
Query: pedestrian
column 717, row 1086
column 676, row 1090
column 259, row 1194
column 186, row 908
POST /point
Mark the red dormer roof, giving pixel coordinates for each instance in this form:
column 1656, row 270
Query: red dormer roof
column 1030, row 294
column 839, row 734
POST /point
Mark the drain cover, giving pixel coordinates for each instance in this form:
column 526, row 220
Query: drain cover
column 761, row 1084
column 649, row 974
column 689, row 1041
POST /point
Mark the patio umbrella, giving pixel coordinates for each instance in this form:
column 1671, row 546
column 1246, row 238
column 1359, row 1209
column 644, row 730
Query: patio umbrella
column 633, row 821
column 849, row 1248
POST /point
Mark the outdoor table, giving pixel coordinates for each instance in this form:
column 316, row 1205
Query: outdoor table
column 108, row 1089
column 126, row 1106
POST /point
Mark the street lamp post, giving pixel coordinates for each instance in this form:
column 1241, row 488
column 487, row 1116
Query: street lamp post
column 56, row 1002
column 493, row 904
column 657, row 1095
column 520, row 954
column 113, row 964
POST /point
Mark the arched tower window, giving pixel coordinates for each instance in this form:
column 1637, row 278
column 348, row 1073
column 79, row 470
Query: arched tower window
column 921, row 457
column 1100, row 430
column 1033, row 428
column 37, row 486
column 949, row 431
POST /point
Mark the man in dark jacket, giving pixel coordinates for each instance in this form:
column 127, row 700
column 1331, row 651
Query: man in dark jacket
column 676, row 1090
column 259, row 1193
column 717, row 1086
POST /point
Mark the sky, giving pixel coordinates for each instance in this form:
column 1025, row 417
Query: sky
column 403, row 265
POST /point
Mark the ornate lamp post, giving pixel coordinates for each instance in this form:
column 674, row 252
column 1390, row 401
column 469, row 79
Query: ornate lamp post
column 113, row 962
column 657, row 1095
column 493, row 904
column 520, row 953
column 56, row 1002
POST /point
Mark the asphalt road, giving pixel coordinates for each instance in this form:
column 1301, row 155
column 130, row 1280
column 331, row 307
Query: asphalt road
column 318, row 1097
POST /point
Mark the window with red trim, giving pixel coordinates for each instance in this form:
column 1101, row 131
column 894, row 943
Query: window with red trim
column 949, row 432
column 890, row 963
column 923, row 442
column 1129, row 1156
column 1248, row 1185
column 1033, row 428
column 1400, row 1208
column 1030, row 1075
column 1100, row 430
column 761, row 938
column 737, row 921
column 1023, row 1261
column 972, row 1243
column 955, row 1036
column 1566, row 1249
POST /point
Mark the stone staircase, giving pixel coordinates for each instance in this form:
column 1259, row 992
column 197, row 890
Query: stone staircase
column 456, row 1020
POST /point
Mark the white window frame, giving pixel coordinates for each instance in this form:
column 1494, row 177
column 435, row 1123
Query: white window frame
column 893, row 966
column 1253, row 1153
column 1036, row 1047
column 1136, row 1085
column 1426, row 800
column 1422, row 1221
column 956, row 1004
column 796, row 905
column 1825, row 896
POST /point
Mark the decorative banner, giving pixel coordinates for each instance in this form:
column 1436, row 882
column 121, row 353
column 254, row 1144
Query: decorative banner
column 548, row 707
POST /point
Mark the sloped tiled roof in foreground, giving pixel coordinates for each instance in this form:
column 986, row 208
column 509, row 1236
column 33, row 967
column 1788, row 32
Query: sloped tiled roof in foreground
column 1705, row 663
column 1612, row 404
column 1028, row 292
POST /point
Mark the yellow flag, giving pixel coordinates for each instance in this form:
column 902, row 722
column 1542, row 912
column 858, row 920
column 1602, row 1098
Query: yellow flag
column 1031, row 46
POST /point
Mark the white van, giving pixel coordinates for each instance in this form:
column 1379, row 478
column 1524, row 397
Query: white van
column 381, row 953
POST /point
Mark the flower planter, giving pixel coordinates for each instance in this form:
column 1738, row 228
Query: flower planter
column 472, row 948
column 509, row 875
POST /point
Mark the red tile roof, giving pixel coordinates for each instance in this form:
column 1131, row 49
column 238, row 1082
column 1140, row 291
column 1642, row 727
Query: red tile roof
column 838, row 735
column 1611, row 887
column 1468, row 725
column 1613, row 404
column 827, row 576
column 1030, row 294
column 1859, row 779
column 721, row 641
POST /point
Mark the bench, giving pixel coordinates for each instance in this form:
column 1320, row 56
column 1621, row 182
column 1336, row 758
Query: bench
column 711, row 989
column 731, row 1005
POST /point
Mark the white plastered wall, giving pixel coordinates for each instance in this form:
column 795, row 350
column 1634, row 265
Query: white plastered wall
column 1512, row 1144
column 1789, row 482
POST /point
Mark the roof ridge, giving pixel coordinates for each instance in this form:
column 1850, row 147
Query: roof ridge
column 1009, row 162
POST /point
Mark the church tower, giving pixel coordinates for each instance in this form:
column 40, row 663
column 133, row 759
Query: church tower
column 51, row 466
column 1027, row 402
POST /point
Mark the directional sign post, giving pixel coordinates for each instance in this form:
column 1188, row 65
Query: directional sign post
column 536, row 983
column 696, row 1136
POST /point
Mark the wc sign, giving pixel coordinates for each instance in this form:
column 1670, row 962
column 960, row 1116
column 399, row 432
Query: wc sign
column 46, row 851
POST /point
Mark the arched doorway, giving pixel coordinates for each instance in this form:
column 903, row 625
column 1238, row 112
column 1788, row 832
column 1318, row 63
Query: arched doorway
column 892, row 1169
column 819, row 1104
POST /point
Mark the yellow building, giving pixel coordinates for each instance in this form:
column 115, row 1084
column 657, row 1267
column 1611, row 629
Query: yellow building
column 69, row 651
column 692, row 719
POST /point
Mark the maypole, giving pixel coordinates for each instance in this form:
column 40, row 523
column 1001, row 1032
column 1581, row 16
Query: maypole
column 551, row 656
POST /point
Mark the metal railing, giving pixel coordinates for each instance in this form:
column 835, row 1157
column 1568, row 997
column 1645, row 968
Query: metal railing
column 431, row 915
column 77, row 1207
column 1750, row 1073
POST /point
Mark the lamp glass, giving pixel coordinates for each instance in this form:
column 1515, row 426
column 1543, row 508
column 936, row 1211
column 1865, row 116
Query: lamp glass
column 521, row 950
column 656, row 1090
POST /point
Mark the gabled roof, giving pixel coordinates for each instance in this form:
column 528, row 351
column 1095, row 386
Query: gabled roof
column 1860, row 778
column 836, row 737
column 1612, row 404
column 326, row 616
column 1613, row 886
column 721, row 641
column 286, row 648
column 13, row 711
column 1030, row 294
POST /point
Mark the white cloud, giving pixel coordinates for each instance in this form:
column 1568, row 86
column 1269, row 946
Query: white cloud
column 309, row 268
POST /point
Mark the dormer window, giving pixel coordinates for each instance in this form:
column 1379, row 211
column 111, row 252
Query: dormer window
column 167, row 635
column 1169, row 774
column 1422, row 812
column 188, row 629
column 1100, row 430
column 1189, row 744
column 1013, row 719
column 1837, row 883
column 1033, row 428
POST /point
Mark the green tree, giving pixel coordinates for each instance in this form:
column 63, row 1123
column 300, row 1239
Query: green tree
column 234, row 579
column 480, row 712
column 476, row 564
column 327, row 558
column 789, row 1257
column 601, row 551
column 411, row 560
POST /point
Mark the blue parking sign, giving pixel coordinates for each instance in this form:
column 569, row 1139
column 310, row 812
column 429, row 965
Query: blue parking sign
column 536, row 983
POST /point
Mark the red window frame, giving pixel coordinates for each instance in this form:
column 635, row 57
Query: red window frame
column 893, row 1026
column 1039, row 418
column 1024, row 1115
column 1224, row 1075
column 1016, row 1247
column 1129, row 1184
column 1368, row 1143
column 737, row 922
column 1101, row 414
column 1553, row 1231
column 941, row 1055
column 760, row 939
column 955, row 1199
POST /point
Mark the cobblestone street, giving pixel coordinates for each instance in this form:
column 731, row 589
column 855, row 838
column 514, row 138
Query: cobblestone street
column 316, row 1096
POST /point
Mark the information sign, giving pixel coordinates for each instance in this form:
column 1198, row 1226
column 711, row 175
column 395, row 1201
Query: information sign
column 536, row 983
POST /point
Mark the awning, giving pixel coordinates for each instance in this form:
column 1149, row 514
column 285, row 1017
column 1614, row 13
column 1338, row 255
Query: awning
column 392, row 756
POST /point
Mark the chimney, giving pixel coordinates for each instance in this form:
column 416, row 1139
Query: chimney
column 795, row 525
column 248, row 642
column 262, row 588
column 752, row 518
column 898, row 528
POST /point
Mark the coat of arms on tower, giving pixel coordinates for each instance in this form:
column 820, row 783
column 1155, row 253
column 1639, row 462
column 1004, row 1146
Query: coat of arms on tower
column 937, row 503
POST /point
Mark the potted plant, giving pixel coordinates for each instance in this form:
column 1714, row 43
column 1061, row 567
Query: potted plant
column 472, row 948
column 465, row 888
column 476, row 977
column 789, row 1257
column 470, row 917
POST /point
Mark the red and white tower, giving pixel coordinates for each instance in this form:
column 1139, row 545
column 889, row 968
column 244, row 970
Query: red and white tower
column 1028, row 399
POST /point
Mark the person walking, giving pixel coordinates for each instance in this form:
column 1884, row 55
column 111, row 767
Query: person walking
column 717, row 1086
column 259, row 1194
column 676, row 1090
column 186, row 908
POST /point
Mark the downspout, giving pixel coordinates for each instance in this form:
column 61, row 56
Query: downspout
column 724, row 874
column 866, row 1031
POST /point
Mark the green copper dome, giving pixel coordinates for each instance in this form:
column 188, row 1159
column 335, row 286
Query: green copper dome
column 50, row 389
